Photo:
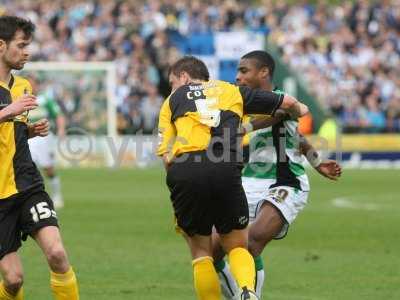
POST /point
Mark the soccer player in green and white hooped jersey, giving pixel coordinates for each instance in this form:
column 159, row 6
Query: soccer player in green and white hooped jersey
column 43, row 148
column 274, row 179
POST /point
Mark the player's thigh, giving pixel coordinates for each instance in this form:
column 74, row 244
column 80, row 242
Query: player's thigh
column 37, row 212
column 284, row 203
column 49, row 240
column 11, row 267
column 267, row 224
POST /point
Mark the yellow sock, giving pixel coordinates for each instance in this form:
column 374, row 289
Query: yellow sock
column 4, row 295
column 64, row 286
column 242, row 267
column 206, row 282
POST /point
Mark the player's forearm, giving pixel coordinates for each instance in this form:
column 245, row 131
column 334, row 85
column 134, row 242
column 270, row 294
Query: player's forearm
column 293, row 107
column 309, row 152
column 4, row 115
column 263, row 122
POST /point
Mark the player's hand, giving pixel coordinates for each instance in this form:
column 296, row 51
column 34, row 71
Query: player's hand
column 40, row 128
column 21, row 105
column 329, row 169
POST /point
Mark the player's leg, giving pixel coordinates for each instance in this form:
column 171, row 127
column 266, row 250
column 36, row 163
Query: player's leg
column 12, row 274
column 62, row 277
column 277, row 211
column 231, row 223
column 10, row 241
column 190, row 196
column 229, row 287
column 267, row 225
column 204, row 275
column 240, row 260
column 39, row 220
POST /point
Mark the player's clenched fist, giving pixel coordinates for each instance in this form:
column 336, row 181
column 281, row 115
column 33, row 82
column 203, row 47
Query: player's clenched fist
column 39, row 128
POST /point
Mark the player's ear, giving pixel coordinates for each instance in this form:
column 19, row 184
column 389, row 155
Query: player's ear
column 184, row 77
column 3, row 46
column 264, row 72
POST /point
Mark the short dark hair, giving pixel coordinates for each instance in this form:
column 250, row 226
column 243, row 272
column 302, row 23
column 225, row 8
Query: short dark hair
column 195, row 67
column 263, row 60
column 9, row 25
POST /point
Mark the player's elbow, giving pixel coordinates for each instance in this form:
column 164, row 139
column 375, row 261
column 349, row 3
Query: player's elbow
column 295, row 108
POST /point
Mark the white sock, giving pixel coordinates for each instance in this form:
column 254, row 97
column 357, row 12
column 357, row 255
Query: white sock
column 55, row 184
column 260, row 278
column 229, row 287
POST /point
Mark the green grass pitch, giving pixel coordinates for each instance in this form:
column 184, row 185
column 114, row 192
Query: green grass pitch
column 117, row 227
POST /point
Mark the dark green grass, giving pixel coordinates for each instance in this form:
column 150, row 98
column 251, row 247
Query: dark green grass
column 117, row 227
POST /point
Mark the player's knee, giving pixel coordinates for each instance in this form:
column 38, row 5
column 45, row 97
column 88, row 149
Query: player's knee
column 13, row 281
column 57, row 257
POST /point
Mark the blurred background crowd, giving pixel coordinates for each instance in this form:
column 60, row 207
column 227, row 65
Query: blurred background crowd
column 348, row 56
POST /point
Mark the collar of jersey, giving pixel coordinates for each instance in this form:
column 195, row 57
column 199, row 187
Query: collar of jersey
column 9, row 85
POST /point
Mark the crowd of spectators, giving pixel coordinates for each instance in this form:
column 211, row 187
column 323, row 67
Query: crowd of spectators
column 348, row 55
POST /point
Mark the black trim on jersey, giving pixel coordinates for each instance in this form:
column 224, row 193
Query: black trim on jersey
column 224, row 137
column 5, row 97
column 11, row 83
column 25, row 171
column 180, row 104
column 284, row 175
column 257, row 101
column 246, row 154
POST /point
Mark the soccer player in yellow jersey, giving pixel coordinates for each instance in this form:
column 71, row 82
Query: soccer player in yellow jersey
column 25, row 207
column 198, row 127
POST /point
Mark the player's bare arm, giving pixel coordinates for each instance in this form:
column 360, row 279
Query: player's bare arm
column 21, row 105
column 327, row 168
column 293, row 107
column 263, row 121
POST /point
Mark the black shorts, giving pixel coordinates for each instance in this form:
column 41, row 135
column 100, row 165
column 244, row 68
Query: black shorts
column 22, row 215
column 206, row 194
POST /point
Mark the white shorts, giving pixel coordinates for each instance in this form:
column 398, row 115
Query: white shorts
column 43, row 150
column 288, row 200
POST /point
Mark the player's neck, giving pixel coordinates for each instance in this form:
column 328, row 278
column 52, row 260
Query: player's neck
column 267, row 86
column 5, row 73
column 196, row 81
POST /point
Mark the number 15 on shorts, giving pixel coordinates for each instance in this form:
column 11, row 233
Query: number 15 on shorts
column 42, row 211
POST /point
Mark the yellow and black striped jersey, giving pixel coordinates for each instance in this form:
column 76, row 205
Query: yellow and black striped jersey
column 201, row 116
column 17, row 171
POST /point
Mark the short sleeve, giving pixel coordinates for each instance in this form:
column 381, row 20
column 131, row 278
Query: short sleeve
column 257, row 101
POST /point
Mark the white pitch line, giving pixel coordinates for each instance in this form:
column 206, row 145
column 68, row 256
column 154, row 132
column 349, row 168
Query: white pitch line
column 344, row 202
